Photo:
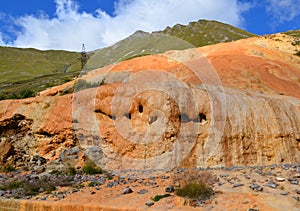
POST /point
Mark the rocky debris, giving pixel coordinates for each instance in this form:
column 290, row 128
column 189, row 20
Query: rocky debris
column 142, row 191
column 149, row 204
column 237, row 185
column 280, row 179
column 256, row 187
column 127, row 190
column 251, row 209
column 284, row 193
column 271, row 184
column 297, row 198
column 170, row 189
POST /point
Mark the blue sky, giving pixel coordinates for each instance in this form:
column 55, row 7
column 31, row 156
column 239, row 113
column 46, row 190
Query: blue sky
column 66, row 24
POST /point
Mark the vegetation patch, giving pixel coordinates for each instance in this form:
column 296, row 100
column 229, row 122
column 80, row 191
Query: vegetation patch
column 159, row 197
column 7, row 168
column 194, row 190
column 90, row 167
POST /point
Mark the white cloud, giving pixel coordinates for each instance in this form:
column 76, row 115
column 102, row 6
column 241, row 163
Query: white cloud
column 1, row 40
column 283, row 10
column 70, row 28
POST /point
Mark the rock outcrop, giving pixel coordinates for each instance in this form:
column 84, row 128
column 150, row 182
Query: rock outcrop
column 232, row 104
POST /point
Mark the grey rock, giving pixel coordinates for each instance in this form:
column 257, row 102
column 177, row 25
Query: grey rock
column 297, row 198
column 170, row 189
column 268, row 173
column 256, row 187
column 284, row 193
column 96, row 154
column 294, row 182
column 127, row 190
column 297, row 191
column 149, row 204
column 111, row 184
column 2, row 193
column 250, row 209
column 221, row 183
column 165, row 177
column 224, row 175
column 44, row 198
column 237, row 185
column 142, row 191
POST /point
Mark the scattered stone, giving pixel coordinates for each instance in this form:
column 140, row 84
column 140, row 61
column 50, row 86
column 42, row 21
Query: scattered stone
column 268, row 173
column 111, row 184
column 271, row 184
column 280, row 179
column 170, row 189
column 297, row 175
column 250, row 209
column 98, row 188
column 2, row 193
column 294, row 182
column 127, row 190
column 284, row 193
column 149, row 204
column 221, row 183
column 44, row 198
column 93, row 192
column 237, row 185
column 297, row 198
column 297, row 191
column 165, row 177
column 256, row 187
column 142, row 191
column 224, row 175
column 247, row 176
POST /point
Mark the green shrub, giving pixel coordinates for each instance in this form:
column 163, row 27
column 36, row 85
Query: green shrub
column 159, row 197
column 93, row 184
column 71, row 171
column 90, row 167
column 14, row 185
column 26, row 93
column 8, row 168
column 195, row 190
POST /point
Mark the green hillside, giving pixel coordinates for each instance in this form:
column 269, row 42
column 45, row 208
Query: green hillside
column 24, row 72
column 295, row 33
column 178, row 37
column 206, row 32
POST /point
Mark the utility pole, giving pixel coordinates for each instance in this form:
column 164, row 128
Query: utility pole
column 84, row 56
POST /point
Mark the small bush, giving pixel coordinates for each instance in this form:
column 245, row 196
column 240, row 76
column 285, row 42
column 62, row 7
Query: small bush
column 8, row 168
column 195, row 190
column 159, row 197
column 71, row 171
column 26, row 93
column 297, row 53
column 93, row 184
column 90, row 168
column 14, row 185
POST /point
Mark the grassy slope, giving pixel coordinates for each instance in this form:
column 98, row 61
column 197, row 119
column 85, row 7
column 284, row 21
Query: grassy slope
column 295, row 33
column 35, row 70
column 206, row 32
column 31, row 69
column 179, row 37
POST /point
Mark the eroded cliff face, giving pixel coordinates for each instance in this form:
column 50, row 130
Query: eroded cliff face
column 239, row 106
